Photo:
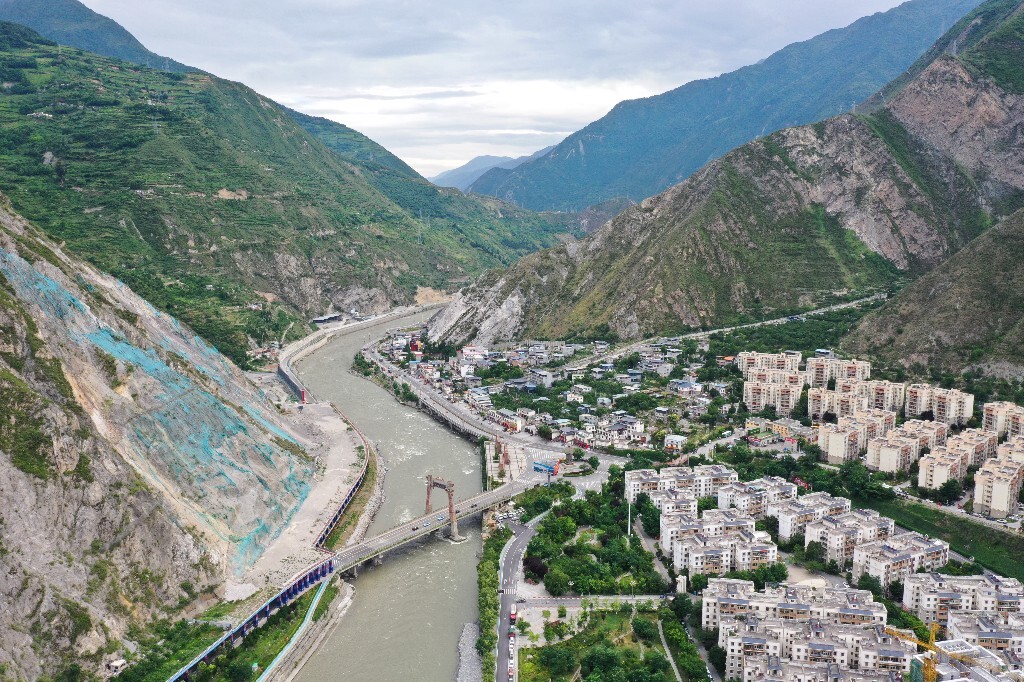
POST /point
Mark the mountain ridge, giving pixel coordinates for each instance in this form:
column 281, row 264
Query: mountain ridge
column 644, row 146
column 466, row 174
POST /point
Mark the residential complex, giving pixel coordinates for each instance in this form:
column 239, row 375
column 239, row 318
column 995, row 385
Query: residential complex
column 794, row 515
column 781, row 397
column 933, row 596
column 743, row 551
column 839, row 534
column 901, row 447
column 787, row 361
column 899, row 556
column 940, row 466
column 676, row 526
column 1002, row 633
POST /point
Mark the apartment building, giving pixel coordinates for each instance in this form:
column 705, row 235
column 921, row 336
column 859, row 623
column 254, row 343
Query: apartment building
column 849, row 647
column 1003, row 418
column 783, row 397
column 822, row 370
column 888, row 396
column 760, row 668
column 743, row 551
column 776, row 376
column 999, row 632
column 932, row 597
column 939, row 466
column 786, row 361
column 948, row 405
column 997, row 487
column 892, row 453
column 753, row 497
column 725, row 598
column 975, row 445
column 821, row 401
column 714, row 523
column 675, row 501
column 840, row 443
column 930, row 434
column 898, row 556
column 841, row 533
column 703, row 480
column 872, row 423
column 794, row 515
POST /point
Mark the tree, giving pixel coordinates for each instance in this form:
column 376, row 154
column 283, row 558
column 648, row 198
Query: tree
column 556, row 583
column 870, row 583
column 950, row 491
column 560, row 660
column 717, row 656
column 645, row 629
column 698, row 583
column 594, row 462
column 544, row 431
column 705, row 503
column 815, row 551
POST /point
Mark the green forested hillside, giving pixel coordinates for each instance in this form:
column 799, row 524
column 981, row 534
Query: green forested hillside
column 69, row 22
column 643, row 146
column 200, row 193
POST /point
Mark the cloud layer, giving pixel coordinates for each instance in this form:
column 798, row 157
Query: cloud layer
column 441, row 82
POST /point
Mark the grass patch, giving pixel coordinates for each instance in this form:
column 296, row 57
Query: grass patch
column 996, row 550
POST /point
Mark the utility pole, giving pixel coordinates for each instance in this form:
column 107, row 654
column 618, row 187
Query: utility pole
column 629, row 517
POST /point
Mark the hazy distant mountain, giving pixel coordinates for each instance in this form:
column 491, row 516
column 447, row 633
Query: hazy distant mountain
column 466, row 174
column 788, row 221
column 69, row 22
column 643, row 146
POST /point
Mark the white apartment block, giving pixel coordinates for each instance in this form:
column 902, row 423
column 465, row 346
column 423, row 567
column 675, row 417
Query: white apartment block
column 794, row 515
column 939, row 467
column 744, row 551
column 724, row 599
column 841, row 533
column 975, row 445
column 885, row 395
column 848, row 647
column 898, row 556
column 787, row 361
column 871, row 422
column 675, row 501
column 892, row 453
column 713, row 524
column 1003, row 418
column 759, row 395
column 760, row 668
column 776, row 376
column 753, row 497
column 998, row 632
column 933, row 597
column 703, row 480
column 997, row 486
column 821, row 370
column 821, row 401
column 949, row 405
column 840, row 443
column 930, row 434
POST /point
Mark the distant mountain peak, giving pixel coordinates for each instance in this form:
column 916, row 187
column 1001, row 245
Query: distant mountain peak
column 466, row 174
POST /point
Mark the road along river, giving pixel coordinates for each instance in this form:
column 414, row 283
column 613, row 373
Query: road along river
column 408, row 613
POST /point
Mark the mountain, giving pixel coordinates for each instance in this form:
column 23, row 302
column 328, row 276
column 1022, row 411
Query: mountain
column 793, row 219
column 967, row 313
column 351, row 144
column 217, row 206
column 69, row 22
column 643, row 146
column 139, row 468
column 466, row 174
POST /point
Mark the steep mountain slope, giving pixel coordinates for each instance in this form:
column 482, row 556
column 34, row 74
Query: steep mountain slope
column 466, row 174
column 210, row 200
column 785, row 221
column 138, row 467
column 351, row 144
column 968, row 312
column 69, row 22
column 644, row 146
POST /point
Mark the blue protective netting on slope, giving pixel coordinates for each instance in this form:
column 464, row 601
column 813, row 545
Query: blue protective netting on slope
column 221, row 466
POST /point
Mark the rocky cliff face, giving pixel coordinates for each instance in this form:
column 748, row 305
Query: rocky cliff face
column 782, row 223
column 966, row 314
column 138, row 468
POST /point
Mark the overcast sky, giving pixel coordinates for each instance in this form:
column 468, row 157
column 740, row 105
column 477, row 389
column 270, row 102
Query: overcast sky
column 439, row 82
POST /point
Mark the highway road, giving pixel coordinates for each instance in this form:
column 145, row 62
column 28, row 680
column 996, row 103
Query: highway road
column 508, row 576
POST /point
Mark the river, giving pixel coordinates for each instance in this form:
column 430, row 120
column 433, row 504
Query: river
column 408, row 613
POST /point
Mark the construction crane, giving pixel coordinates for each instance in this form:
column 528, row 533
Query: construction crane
column 930, row 670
